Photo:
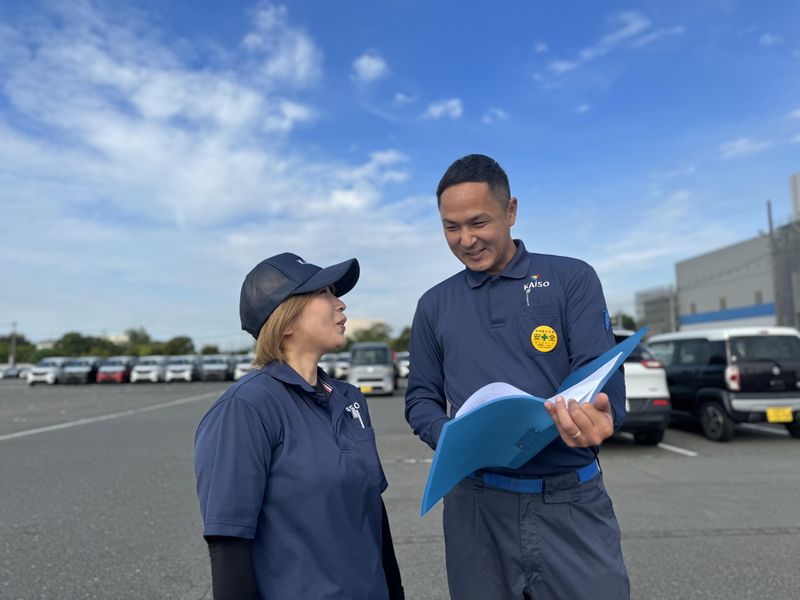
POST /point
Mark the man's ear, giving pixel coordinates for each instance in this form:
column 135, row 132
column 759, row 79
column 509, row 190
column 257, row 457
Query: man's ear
column 511, row 211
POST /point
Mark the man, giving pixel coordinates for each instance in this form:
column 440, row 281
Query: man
column 547, row 530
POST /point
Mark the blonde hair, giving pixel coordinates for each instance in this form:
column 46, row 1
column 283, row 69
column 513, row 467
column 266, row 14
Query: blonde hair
column 269, row 344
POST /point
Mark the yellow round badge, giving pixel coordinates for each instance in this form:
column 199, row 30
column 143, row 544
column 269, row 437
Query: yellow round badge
column 544, row 338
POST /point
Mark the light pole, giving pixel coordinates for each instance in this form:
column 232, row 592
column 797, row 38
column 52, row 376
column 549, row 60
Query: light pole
column 12, row 351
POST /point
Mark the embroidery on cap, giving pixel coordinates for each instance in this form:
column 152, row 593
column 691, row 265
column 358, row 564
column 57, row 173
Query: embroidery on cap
column 535, row 282
column 544, row 338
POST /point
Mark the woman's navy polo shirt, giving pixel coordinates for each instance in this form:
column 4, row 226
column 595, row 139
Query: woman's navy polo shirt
column 302, row 479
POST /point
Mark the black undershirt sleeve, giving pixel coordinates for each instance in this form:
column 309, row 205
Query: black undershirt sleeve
column 232, row 574
column 390, row 567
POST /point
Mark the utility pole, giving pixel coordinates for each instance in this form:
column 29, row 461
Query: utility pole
column 781, row 275
column 12, row 351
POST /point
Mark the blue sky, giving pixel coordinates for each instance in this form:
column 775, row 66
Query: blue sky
column 152, row 152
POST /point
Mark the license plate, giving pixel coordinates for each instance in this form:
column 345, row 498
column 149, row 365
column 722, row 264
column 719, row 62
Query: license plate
column 366, row 389
column 781, row 414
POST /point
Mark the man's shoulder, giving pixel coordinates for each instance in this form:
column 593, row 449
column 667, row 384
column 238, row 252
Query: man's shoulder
column 561, row 264
column 443, row 288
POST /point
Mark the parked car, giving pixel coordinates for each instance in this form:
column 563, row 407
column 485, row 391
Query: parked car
column 217, row 367
column 722, row 377
column 48, row 370
column 151, row 368
column 646, row 394
column 244, row 365
column 342, row 366
column 116, row 369
column 185, row 368
column 372, row 368
column 403, row 362
column 18, row 371
column 327, row 362
column 82, row 370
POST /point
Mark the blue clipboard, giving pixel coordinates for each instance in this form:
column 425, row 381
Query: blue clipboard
column 507, row 431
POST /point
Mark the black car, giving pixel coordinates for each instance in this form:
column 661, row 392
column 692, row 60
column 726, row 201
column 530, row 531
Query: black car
column 722, row 377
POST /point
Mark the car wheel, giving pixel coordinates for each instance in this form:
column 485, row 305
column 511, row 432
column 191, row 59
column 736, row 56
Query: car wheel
column 648, row 437
column 793, row 429
column 717, row 425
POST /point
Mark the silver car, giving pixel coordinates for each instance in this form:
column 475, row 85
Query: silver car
column 217, row 367
column 372, row 368
column 81, row 370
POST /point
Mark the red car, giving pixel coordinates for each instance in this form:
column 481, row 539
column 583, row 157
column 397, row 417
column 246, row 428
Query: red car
column 116, row 369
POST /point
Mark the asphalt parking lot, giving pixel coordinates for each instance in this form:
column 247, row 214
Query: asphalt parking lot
column 98, row 501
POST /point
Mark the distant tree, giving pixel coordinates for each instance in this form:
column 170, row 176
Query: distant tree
column 623, row 320
column 138, row 336
column 209, row 349
column 24, row 348
column 179, row 345
column 72, row 344
column 400, row 343
column 377, row 333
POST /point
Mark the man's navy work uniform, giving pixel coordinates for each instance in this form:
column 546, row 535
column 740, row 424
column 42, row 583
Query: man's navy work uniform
column 555, row 535
column 298, row 472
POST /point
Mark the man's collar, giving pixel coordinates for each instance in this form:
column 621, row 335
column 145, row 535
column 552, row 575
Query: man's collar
column 283, row 372
column 516, row 269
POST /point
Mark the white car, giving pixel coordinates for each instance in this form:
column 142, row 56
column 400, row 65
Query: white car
column 243, row 366
column 48, row 370
column 403, row 363
column 183, row 368
column 647, row 395
column 150, row 368
column 342, row 366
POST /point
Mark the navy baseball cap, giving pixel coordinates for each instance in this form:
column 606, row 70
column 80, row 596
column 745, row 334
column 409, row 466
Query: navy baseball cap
column 275, row 279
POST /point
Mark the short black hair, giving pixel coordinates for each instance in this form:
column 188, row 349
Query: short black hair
column 476, row 168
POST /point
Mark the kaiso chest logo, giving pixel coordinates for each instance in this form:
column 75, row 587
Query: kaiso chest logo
column 533, row 283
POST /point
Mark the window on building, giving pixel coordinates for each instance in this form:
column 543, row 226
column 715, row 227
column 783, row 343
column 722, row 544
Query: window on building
column 723, row 304
column 759, row 297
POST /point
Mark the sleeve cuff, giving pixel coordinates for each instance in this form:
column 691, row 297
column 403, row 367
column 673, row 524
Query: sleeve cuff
column 229, row 529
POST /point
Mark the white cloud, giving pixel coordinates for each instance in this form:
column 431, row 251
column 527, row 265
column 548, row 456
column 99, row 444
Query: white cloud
column 796, row 139
column 582, row 109
column 157, row 184
column 648, row 242
column 633, row 30
column 494, row 115
column 369, row 67
column 401, row 99
column 286, row 53
column 540, row 47
column 769, row 39
column 795, row 114
column 657, row 35
column 450, row 108
column 743, row 147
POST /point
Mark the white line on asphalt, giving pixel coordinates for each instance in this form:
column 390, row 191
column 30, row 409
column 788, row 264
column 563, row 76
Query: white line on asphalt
column 677, row 450
column 629, row 436
column 124, row 413
column 765, row 429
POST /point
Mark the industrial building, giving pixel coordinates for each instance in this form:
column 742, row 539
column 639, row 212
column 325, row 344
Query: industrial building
column 755, row 282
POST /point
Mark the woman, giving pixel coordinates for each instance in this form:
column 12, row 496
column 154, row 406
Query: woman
column 288, row 475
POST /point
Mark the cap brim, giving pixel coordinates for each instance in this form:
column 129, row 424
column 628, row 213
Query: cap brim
column 342, row 277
